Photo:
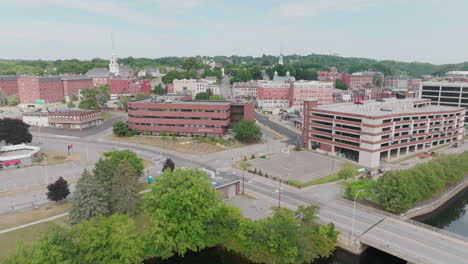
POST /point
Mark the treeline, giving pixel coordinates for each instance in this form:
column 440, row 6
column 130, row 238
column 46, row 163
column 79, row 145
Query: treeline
column 241, row 67
column 182, row 213
column 399, row 190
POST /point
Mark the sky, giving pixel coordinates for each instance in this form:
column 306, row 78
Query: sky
column 434, row 31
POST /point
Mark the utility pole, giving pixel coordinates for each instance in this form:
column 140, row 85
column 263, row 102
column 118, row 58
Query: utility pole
column 243, row 181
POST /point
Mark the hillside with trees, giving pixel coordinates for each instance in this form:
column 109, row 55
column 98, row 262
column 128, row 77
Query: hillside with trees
column 240, row 67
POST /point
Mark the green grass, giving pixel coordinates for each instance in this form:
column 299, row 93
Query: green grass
column 9, row 241
column 244, row 165
column 327, row 179
column 106, row 116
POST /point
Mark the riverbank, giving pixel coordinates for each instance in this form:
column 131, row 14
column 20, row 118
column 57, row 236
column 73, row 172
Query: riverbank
column 436, row 202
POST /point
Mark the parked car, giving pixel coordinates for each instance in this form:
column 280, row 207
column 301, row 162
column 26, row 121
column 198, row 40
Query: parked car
column 358, row 102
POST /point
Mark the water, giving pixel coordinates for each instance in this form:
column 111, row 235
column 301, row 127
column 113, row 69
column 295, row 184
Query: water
column 452, row 216
column 221, row 256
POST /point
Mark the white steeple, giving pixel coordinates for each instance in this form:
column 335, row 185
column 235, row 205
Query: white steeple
column 113, row 65
column 280, row 61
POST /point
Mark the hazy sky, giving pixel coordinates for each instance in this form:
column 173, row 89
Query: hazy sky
column 433, row 31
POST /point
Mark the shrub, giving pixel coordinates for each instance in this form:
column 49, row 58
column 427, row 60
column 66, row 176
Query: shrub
column 253, row 156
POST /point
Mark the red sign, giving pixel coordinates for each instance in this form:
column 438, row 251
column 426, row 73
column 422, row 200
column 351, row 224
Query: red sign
column 11, row 162
column 70, row 146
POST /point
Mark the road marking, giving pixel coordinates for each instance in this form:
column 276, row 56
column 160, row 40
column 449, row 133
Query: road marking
column 62, row 136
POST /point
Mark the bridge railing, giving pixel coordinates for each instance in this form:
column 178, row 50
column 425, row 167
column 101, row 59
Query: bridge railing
column 411, row 221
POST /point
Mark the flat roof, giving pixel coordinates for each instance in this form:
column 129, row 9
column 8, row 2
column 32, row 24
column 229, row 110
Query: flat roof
column 445, row 83
column 392, row 106
column 178, row 100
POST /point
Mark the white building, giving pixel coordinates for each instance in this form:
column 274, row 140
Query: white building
column 113, row 65
column 195, row 87
column 245, row 90
column 40, row 119
column 153, row 71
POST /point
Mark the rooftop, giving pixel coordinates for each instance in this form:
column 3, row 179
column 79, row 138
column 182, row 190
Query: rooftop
column 177, row 99
column 391, row 106
column 75, row 77
column 445, row 83
column 8, row 77
column 98, row 72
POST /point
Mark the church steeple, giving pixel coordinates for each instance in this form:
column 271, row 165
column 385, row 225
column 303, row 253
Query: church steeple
column 113, row 65
column 280, row 61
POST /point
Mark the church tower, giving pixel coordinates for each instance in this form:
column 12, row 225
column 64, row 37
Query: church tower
column 280, row 61
column 113, row 65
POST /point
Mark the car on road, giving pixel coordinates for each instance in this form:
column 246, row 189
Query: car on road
column 358, row 102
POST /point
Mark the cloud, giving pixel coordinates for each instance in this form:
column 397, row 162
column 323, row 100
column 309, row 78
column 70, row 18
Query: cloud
column 308, row 8
column 115, row 9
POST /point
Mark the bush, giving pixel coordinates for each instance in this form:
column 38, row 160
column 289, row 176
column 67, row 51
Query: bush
column 247, row 131
column 253, row 156
column 13, row 100
column 120, row 128
column 368, row 185
column 118, row 155
column 130, row 133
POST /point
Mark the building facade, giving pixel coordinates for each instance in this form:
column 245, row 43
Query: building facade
column 40, row 90
column 75, row 119
column 273, row 94
column 374, row 131
column 357, row 81
column 194, row 86
column 446, row 93
column 72, row 85
column 245, row 90
column 9, row 84
column 301, row 90
column 100, row 76
column 330, row 76
column 172, row 114
column 129, row 87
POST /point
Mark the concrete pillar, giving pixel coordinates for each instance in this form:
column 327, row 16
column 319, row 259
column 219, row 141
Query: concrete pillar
column 398, row 153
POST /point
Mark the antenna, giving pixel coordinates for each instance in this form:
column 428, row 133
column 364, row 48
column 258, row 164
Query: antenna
column 113, row 41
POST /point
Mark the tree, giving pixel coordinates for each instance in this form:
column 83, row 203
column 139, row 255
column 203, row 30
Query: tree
column 170, row 76
column 13, row 100
column 3, row 98
column 168, row 164
column 120, row 128
column 159, row 90
column 185, row 213
column 88, row 201
column 118, row 155
column 14, row 131
column 339, row 84
column 70, row 105
column 58, row 190
column 377, row 80
column 94, row 98
column 202, row 96
column 247, row 131
column 112, row 239
column 123, row 102
column 74, row 98
column 191, row 64
column 140, row 96
column 393, row 192
column 104, row 171
column 124, row 194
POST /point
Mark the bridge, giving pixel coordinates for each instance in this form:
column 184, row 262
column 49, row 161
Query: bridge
column 409, row 240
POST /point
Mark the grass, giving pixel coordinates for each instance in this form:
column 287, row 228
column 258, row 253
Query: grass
column 244, row 164
column 60, row 157
column 107, row 116
column 8, row 241
column 28, row 216
column 248, row 196
column 327, row 179
column 52, row 158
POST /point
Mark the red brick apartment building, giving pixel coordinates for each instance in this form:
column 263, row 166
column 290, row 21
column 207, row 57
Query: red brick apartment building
column 73, row 84
column 380, row 131
column 184, row 117
column 75, row 119
column 33, row 89
column 9, row 84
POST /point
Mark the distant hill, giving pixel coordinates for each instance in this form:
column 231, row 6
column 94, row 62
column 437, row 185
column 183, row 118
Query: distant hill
column 312, row 61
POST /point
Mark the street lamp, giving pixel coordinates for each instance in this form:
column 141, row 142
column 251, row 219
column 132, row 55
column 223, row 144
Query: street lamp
column 279, row 194
column 354, row 213
column 243, row 180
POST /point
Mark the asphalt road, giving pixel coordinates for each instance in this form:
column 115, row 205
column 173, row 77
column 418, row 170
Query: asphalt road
column 293, row 137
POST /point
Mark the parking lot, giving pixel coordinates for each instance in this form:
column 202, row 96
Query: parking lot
column 301, row 166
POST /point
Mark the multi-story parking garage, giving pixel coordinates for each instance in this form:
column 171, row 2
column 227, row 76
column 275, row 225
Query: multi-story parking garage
column 446, row 93
column 373, row 131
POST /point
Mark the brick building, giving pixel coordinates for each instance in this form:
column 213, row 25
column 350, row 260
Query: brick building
column 301, row 90
column 245, row 90
column 380, row 131
column 186, row 118
column 402, row 82
column 330, row 76
column 357, row 81
column 9, row 84
column 73, row 84
column 194, row 86
column 273, row 94
column 129, row 87
column 73, row 119
column 40, row 90
column 100, row 76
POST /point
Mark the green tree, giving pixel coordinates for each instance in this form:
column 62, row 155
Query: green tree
column 88, row 200
column 104, row 171
column 191, row 64
column 70, row 105
column 54, row 246
column 120, row 128
column 58, row 190
column 393, row 192
column 247, row 131
column 170, row 76
column 118, row 155
column 74, row 98
column 202, row 96
column 124, row 193
column 339, row 84
column 3, row 98
column 94, row 98
column 123, row 102
column 159, row 90
column 14, row 131
column 112, row 239
column 184, row 208
column 13, row 100
column 140, row 96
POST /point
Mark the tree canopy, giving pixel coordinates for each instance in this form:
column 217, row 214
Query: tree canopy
column 247, row 131
column 95, row 97
column 117, row 156
column 58, row 190
column 14, row 131
column 124, row 190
